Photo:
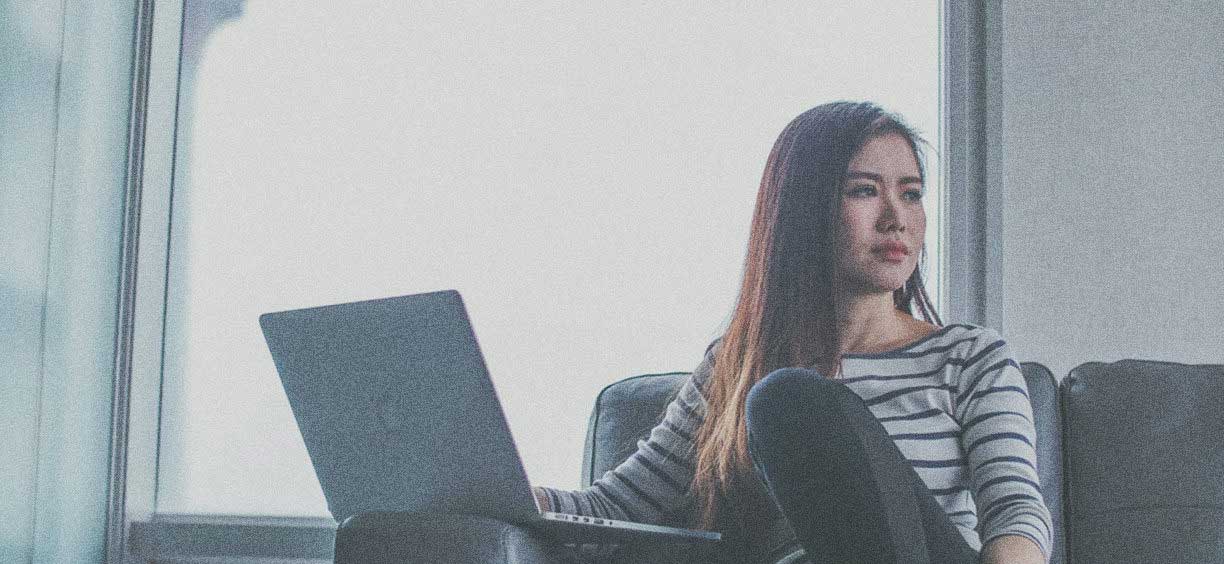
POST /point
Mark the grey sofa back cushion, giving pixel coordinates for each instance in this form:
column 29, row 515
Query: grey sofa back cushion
column 626, row 411
column 1144, row 464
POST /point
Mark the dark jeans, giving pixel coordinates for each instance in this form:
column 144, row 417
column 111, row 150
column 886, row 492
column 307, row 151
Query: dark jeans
column 841, row 482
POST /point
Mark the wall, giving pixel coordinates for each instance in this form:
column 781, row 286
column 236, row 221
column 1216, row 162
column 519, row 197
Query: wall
column 1113, row 128
column 27, row 167
column 64, row 98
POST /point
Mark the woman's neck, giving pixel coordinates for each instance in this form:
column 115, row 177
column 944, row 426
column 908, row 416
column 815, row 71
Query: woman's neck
column 870, row 323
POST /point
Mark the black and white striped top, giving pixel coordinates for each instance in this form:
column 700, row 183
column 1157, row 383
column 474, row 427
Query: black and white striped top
column 955, row 403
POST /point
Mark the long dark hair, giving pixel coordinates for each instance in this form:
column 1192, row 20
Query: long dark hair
column 785, row 315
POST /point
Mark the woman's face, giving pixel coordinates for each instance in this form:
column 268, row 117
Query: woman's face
column 882, row 220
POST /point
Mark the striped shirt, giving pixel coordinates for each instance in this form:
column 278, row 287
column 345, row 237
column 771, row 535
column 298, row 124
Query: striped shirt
column 955, row 403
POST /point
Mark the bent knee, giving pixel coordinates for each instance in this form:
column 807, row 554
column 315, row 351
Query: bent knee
column 789, row 390
column 781, row 384
column 791, row 382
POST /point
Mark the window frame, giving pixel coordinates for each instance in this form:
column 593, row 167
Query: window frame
column 971, row 142
column 969, row 139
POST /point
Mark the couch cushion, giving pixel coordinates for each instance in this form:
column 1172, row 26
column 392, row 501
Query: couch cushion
column 1144, row 462
column 624, row 412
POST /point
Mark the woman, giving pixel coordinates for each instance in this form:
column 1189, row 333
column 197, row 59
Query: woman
column 828, row 424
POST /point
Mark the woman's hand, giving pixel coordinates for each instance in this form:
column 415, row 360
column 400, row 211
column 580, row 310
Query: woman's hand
column 1012, row 549
column 541, row 499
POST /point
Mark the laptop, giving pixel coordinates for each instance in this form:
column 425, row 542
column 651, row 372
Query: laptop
column 395, row 405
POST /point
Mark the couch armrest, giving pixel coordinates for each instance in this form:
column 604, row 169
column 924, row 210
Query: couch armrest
column 403, row 538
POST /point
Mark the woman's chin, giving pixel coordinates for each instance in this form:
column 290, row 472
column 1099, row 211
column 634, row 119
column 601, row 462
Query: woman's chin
column 879, row 280
column 878, row 287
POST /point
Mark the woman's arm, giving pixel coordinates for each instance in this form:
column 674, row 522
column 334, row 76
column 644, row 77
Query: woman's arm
column 999, row 442
column 541, row 499
column 1012, row 549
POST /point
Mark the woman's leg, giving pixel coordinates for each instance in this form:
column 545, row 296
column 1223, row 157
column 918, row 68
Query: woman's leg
column 841, row 482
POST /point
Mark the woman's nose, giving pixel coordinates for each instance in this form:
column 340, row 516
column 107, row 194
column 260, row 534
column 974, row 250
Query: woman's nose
column 889, row 219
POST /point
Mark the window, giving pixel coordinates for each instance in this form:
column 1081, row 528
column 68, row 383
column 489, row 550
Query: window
column 583, row 175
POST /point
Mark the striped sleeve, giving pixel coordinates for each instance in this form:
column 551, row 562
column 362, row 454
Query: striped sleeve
column 999, row 441
column 654, row 481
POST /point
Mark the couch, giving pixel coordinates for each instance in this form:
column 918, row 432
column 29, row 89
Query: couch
column 1130, row 456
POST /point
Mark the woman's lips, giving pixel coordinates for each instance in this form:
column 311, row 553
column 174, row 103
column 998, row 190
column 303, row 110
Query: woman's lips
column 892, row 251
column 893, row 255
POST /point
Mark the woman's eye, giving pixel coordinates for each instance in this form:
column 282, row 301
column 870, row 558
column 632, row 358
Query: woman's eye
column 862, row 190
column 914, row 195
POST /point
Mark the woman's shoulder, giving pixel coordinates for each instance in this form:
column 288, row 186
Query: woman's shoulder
column 984, row 349
column 978, row 335
column 983, row 337
column 974, row 342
